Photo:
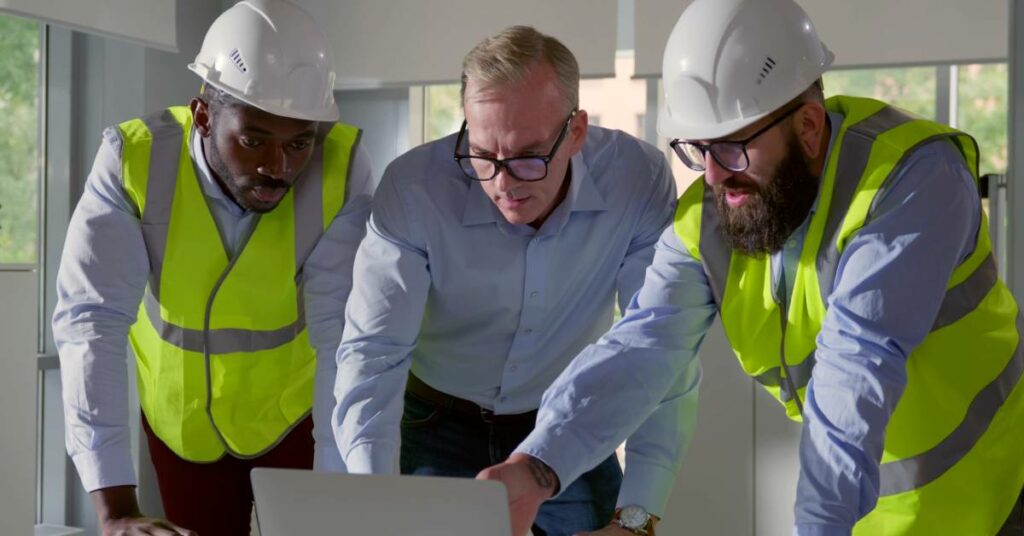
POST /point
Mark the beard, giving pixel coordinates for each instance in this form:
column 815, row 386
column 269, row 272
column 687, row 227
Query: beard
column 771, row 213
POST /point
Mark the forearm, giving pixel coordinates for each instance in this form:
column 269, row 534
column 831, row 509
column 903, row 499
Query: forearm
column 576, row 429
column 327, row 275
column 115, row 502
column 611, row 388
column 382, row 321
column 326, row 456
column 655, row 452
column 369, row 409
column 94, row 384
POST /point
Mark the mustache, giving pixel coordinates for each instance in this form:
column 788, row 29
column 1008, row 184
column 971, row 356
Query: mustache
column 262, row 181
column 735, row 183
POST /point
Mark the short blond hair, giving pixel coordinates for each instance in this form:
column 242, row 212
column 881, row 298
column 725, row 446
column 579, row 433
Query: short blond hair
column 504, row 60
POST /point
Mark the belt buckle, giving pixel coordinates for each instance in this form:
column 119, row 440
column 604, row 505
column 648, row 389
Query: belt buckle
column 486, row 415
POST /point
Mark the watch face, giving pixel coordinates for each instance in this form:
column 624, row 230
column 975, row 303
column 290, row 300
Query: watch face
column 634, row 517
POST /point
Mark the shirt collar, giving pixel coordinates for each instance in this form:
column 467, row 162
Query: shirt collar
column 582, row 196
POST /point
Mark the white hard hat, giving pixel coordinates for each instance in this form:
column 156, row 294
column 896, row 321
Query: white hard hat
column 729, row 63
column 271, row 55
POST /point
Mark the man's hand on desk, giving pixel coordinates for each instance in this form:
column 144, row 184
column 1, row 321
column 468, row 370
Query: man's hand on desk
column 138, row 526
column 118, row 513
column 529, row 483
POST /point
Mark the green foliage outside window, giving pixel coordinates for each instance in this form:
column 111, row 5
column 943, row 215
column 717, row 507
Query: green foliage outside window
column 983, row 112
column 912, row 89
column 444, row 111
column 19, row 135
column 982, row 100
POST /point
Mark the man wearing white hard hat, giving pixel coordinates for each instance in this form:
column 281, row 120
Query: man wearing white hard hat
column 843, row 244
column 217, row 240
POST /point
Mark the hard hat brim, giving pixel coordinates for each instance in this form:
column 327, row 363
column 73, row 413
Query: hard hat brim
column 673, row 129
column 329, row 114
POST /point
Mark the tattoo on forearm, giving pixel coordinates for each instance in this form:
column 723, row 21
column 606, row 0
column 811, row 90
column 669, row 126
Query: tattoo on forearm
column 542, row 474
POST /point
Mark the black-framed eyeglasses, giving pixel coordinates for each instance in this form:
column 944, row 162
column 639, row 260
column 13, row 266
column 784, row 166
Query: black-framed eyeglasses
column 731, row 155
column 524, row 168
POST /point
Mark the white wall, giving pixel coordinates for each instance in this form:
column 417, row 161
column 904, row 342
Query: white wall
column 885, row 32
column 739, row 477
column 147, row 22
column 381, row 44
column 714, row 493
column 17, row 400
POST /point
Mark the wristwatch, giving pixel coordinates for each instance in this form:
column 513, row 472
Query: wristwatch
column 634, row 519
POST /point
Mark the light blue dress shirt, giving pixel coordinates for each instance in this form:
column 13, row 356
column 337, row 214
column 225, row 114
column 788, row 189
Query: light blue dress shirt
column 891, row 280
column 103, row 274
column 492, row 312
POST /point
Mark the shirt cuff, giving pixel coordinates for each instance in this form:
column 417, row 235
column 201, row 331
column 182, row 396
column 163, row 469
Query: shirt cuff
column 646, row 485
column 821, row 529
column 328, row 460
column 371, row 458
column 558, row 450
column 105, row 468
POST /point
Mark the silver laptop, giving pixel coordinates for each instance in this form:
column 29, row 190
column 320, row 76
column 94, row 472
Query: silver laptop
column 293, row 502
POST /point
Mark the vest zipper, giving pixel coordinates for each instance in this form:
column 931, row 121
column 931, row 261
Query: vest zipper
column 206, row 334
column 783, row 315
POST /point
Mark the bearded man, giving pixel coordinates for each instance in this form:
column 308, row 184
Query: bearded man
column 843, row 243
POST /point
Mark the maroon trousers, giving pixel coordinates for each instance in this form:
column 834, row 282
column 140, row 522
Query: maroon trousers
column 215, row 499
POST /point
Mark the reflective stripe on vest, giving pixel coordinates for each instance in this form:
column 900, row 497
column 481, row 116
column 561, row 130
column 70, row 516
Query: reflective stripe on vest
column 225, row 363
column 962, row 411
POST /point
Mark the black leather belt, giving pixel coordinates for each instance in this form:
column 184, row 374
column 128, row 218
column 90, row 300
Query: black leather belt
column 417, row 388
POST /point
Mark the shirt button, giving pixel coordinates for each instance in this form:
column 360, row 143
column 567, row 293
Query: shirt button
column 527, row 331
column 534, row 294
column 791, row 244
column 513, row 368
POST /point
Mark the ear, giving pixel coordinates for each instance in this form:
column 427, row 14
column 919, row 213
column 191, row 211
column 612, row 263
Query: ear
column 578, row 131
column 810, row 126
column 201, row 116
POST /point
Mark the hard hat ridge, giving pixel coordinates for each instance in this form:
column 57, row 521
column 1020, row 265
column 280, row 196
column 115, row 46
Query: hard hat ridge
column 729, row 63
column 270, row 54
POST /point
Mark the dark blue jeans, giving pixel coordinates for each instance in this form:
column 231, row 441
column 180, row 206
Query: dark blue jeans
column 440, row 442
column 1015, row 523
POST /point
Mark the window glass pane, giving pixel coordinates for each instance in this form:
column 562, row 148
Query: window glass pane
column 19, row 139
column 982, row 112
column 912, row 89
column 621, row 103
column 616, row 103
column 443, row 111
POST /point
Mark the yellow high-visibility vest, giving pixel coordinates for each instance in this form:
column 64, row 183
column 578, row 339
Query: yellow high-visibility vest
column 953, row 457
column 224, row 360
